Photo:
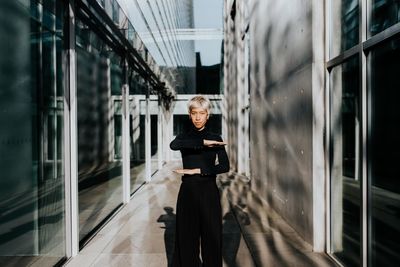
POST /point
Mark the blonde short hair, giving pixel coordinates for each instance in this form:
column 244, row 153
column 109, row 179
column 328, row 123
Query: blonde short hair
column 199, row 102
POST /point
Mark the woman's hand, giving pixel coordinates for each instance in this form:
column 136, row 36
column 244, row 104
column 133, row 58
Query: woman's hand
column 211, row 143
column 188, row 171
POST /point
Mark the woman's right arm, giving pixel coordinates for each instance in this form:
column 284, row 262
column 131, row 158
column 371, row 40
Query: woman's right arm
column 183, row 142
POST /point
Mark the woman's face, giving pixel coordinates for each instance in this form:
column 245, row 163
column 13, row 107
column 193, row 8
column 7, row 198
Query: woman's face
column 199, row 117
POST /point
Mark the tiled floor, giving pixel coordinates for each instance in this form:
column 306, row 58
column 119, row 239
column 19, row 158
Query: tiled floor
column 142, row 233
column 271, row 241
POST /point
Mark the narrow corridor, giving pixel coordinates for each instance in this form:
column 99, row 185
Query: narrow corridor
column 142, row 232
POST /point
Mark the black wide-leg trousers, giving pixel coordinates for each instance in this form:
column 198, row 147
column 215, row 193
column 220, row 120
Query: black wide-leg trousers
column 198, row 223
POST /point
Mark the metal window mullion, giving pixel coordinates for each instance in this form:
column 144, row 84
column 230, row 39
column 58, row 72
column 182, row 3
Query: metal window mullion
column 70, row 140
column 327, row 127
column 344, row 56
column 364, row 11
column 377, row 39
column 54, row 104
column 364, row 166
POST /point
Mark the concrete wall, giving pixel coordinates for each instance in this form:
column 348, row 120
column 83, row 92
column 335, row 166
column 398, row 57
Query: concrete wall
column 285, row 43
column 236, row 101
column 229, row 117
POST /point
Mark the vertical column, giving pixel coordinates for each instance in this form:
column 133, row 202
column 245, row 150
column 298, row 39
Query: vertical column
column 167, row 135
column 327, row 138
column 246, row 106
column 70, row 138
column 126, row 178
column 148, row 136
column 242, row 91
column 160, row 134
column 318, row 160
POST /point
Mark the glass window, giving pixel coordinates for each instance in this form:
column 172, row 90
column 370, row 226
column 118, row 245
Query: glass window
column 138, row 146
column 384, row 13
column 384, row 154
column 99, row 167
column 345, row 162
column 344, row 26
column 154, row 142
column 32, row 217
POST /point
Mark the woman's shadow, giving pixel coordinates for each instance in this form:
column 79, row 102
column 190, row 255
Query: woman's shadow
column 169, row 220
column 232, row 234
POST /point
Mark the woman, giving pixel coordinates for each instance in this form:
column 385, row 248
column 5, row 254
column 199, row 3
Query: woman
column 198, row 209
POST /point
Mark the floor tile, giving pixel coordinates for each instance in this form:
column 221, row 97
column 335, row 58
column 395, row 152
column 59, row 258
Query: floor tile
column 142, row 232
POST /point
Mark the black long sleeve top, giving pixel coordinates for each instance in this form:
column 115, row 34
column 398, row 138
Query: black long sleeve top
column 210, row 160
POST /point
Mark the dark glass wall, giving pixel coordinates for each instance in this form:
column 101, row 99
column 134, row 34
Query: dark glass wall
column 345, row 162
column 99, row 79
column 137, row 140
column 384, row 13
column 382, row 147
column 384, row 154
column 32, row 51
column 344, row 26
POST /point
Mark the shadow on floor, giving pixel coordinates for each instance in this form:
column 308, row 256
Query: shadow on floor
column 271, row 241
column 232, row 235
column 169, row 220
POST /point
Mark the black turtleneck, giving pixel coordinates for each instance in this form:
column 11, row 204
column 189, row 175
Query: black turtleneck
column 210, row 160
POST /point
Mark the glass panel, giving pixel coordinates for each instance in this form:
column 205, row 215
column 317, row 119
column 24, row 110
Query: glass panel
column 99, row 166
column 182, row 124
column 384, row 148
column 345, row 26
column 154, row 143
column 137, row 137
column 384, row 13
column 32, row 229
column 208, row 67
column 345, row 162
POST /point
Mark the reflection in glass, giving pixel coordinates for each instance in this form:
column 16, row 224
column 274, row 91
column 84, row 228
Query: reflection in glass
column 138, row 146
column 384, row 156
column 32, row 215
column 99, row 164
column 384, row 13
column 345, row 26
column 345, row 163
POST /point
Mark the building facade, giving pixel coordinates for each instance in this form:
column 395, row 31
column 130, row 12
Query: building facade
column 81, row 124
column 319, row 81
